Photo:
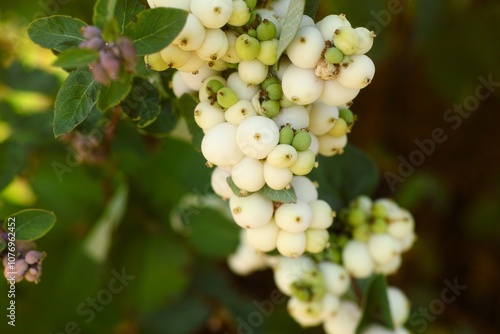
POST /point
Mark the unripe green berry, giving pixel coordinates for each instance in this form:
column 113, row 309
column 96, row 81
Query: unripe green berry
column 301, row 141
column 361, row 232
column 226, row 97
column 379, row 210
column 252, row 33
column 251, row 3
column 346, row 40
column 247, row 47
column 286, row 135
column 270, row 108
column 269, row 81
column 268, row 52
column 339, row 129
column 356, row 217
column 266, row 30
column 379, row 225
column 306, row 160
column 347, row 115
column 213, row 86
column 274, row 92
column 333, row 55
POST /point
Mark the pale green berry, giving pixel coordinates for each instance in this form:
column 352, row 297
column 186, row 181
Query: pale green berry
column 213, row 86
column 240, row 14
column 347, row 115
column 282, row 156
column 270, row 81
column 361, row 232
column 357, row 260
column 334, row 55
column 155, row 62
column 174, row 56
column 270, row 108
column 317, row 240
column 356, row 217
column 252, row 32
column 346, row 40
column 266, row 30
column 247, row 47
column 274, row 92
column 301, row 141
column 305, row 163
column 330, row 146
column 251, row 3
column 379, row 210
column 226, row 97
column 286, row 135
column 379, row 225
column 231, row 56
column 339, row 129
column 253, row 72
column 268, row 52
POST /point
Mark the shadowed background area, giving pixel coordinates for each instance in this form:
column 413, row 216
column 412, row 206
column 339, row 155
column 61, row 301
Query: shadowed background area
column 428, row 120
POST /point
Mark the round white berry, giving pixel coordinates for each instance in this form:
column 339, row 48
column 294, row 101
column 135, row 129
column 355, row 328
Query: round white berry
column 212, row 13
column 193, row 64
column 240, row 87
column 306, row 314
column 207, row 116
column 301, row 86
column 192, row 35
column 345, row 320
column 253, row 72
column 329, row 24
column 289, row 270
column 218, row 180
column 304, row 189
column 399, row 305
column 365, row 40
column 282, row 156
column 306, row 160
column 240, row 111
column 330, row 146
column 252, row 211
column 179, row 86
column 214, row 45
column 322, row 214
column 291, row 244
column 383, row 248
column 257, row 136
column 390, row 267
column 335, row 94
column 358, row 74
column 314, row 144
column 174, row 56
column 219, row 145
column 322, row 118
column 194, row 80
column 231, row 56
column 248, row 174
column 296, row 116
column 306, row 47
column 293, row 217
column 357, row 260
column 337, row 279
column 277, row 178
column 316, row 240
column 263, row 238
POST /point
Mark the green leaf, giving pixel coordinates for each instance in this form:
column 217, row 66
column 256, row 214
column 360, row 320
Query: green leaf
column 283, row 196
column 236, row 190
column 290, row 25
column 165, row 122
column 343, row 177
column 212, row 233
column 75, row 100
column 375, row 304
column 186, row 104
column 311, row 8
column 155, row 29
column 112, row 94
column 21, row 77
column 142, row 105
column 125, row 11
column 56, row 32
column 75, row 57
column 104, row 11
column 98, row 242
column 14, row 156
column 32, row 224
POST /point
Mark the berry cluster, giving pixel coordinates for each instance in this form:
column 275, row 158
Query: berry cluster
column 112, row 56
column 264, row 127
column 28, row 263
column 381, row 232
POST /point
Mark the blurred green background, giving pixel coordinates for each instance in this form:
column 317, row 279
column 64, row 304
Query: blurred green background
column 431, row 57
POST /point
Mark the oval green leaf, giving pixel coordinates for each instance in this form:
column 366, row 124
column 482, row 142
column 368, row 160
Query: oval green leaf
column 75, row 57
column 112, row 94
column 56, row 32
column 75, row 100
column 290, row 25
column 32, row 224
column 283, row 195
column 155, row 29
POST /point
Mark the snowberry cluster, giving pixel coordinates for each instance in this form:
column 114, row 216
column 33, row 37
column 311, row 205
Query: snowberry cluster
column 28, row 263
column 381, row 232
column 263, row 126
column 112, row 56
